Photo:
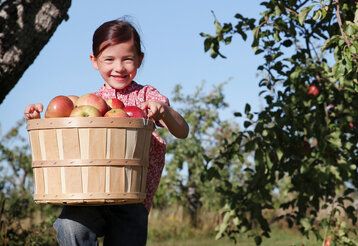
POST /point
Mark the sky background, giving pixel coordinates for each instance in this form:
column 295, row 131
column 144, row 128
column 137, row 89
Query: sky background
column 173, row 48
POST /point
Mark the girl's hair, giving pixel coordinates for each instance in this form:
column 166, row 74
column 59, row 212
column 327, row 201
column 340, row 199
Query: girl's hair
column 114, row 32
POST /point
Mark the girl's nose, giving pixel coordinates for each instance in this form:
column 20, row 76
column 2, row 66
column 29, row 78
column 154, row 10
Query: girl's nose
column 118, row 66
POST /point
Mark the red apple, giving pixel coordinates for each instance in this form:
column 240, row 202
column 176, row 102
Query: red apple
column 313, row 90
column 93, row 100
column 116, row 112
column 73, row 99
column 59, row 106
column 135, row 112
column 85, row 111
column 351, row 125
column 114, row 103
column 327, row 241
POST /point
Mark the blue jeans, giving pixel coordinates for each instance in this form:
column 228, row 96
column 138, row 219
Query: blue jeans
column 118, row 224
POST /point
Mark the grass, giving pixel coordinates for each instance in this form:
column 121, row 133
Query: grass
column 172, row 227
column 283, row 237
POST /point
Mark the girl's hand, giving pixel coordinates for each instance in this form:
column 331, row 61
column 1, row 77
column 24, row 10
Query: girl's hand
column 155, row 110
column 167, row 117
column 33, row 111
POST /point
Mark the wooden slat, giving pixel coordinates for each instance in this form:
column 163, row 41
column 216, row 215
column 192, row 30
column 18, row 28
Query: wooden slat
column 84, row 174
column 116, row 143
column 136, row 179
column 97, row 143
column 89, row 162
column 96, row 182
column 131, row 143
column 83, row 135
column 71, row 145
column 50, row 144
column 127, row 179
column 73, row 179
column 140, row 144
column 53, row 180
column 88, row 122
column 117, row 179
column 35, row 145
column 144, row 179
column 39, row 181
column 147, row 146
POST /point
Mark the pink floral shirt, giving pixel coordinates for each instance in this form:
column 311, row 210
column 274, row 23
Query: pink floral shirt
column 134, row 95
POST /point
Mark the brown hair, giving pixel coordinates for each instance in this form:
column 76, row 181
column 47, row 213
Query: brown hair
column 114, row 32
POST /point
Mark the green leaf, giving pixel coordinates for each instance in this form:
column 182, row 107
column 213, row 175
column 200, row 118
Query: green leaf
column 330, row 42
column 303, row 14
column 207, row 44
column 317, row 15
column 287, row 43
column 247, row 108
column 247, row 124
column 227, row 40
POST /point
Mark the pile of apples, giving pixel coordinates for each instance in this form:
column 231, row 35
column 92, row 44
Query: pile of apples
column 90, row 105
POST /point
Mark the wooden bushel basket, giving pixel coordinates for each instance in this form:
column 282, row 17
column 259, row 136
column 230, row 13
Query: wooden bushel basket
column 89, row 160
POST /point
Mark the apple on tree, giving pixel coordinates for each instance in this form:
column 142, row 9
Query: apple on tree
column 114, row 103
column 94, row 101
column 313, row 90
column 59, row 106
column 135, row 112
column 85, row 111
column 116, row 112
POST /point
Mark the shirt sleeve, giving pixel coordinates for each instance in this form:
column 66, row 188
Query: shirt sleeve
column 152, row 94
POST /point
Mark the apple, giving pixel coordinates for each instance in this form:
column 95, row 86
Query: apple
column 327, row 241
column 59, row 106
column 135, row 112
column 351, row 125
column 73, row 99
column 85, row 111
column 116, row 112
column 313, row 90
column 93, row 100
column 114, row 103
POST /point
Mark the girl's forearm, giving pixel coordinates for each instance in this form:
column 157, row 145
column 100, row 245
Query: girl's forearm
column 175, row 123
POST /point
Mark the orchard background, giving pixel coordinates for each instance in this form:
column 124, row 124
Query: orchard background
column 291, row 164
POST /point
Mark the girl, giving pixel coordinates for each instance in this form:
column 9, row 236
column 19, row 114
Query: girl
column 117, row 55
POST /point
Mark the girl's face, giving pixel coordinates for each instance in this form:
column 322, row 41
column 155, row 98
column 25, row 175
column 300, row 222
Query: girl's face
column 118, row 64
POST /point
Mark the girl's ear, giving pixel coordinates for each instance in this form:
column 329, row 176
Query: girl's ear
column 94, row 61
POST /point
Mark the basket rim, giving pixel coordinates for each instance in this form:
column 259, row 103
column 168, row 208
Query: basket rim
column 89, row 122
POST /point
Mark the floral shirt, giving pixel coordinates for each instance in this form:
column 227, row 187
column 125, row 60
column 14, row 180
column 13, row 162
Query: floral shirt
column 134, row 95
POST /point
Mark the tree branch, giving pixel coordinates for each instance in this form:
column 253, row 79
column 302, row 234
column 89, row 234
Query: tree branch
column 339, row 20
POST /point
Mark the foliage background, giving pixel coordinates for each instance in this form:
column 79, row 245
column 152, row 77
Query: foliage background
column 293, row 162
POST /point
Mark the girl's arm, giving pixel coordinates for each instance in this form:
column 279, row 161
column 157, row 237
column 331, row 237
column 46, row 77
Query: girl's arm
column 168, row 117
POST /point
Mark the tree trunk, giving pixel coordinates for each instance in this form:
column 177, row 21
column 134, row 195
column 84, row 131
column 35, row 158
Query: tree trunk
column 25, row 28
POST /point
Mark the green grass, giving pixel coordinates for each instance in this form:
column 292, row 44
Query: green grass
column 172, row 227
column 279, row 237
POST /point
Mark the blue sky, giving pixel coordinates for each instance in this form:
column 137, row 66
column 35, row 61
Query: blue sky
column 173, row 49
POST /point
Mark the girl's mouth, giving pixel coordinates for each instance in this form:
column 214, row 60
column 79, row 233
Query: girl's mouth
column 119, row 77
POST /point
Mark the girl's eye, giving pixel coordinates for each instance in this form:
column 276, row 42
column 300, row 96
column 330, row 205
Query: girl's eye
column 129, row 60
column 107, row 60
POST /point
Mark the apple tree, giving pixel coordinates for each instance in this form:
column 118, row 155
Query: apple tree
column 182, row 183
column 306, row 135
column 25, row 28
